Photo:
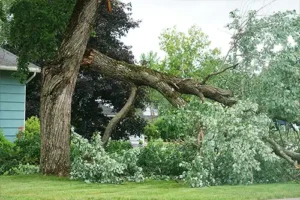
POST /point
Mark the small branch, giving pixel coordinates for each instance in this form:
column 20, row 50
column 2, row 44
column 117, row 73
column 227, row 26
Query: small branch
column 217, row 73
column 237, row 36
column 120, row 115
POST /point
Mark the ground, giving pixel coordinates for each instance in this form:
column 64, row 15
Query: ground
column 41, row 187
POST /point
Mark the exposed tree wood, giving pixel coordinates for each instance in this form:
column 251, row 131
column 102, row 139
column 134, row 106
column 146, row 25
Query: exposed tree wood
column 292, row 157
column 120, row 115
column 58, row 82
column 169, row 86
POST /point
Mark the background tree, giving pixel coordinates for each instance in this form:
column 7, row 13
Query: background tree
column 187, row 55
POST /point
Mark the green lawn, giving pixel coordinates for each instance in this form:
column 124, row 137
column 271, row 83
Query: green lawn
column 39, row 187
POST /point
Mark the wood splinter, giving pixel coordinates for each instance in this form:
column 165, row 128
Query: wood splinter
column 88, row 57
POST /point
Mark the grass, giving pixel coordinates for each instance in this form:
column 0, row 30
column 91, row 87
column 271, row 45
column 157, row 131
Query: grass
column 41, row 187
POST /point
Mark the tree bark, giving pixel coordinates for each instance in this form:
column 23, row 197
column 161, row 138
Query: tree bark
column 120, row 115
column 58, row 82
column 169, row 86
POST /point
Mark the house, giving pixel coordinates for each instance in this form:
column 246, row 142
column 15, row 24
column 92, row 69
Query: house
column 12, row 95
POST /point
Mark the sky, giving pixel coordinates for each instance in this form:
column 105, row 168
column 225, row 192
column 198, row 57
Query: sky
column 210, row 15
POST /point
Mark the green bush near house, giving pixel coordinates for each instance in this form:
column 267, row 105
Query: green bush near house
column 23, row 155
column 8, row 157
column 28, row 142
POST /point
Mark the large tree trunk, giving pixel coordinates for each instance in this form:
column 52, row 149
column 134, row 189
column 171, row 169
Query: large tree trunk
column 120, row 115
column 58, row 82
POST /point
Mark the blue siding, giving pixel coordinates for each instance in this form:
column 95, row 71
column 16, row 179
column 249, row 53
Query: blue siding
column 12, row 105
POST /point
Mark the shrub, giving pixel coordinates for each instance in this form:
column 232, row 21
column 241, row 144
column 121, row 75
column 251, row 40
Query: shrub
column 117, row 146
column 23, row 170
column 152, row 131
column 28, row 142
column 8, row 157
column 92, row 164
column 5, row 144
column 159, row 159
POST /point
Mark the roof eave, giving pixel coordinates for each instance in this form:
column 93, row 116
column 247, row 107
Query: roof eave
column 15, row 68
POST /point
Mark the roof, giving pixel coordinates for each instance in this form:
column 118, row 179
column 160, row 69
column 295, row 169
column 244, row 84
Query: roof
column 8, row 61
column 107, row 110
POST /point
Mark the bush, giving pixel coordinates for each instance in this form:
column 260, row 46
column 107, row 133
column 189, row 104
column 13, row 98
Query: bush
column 5, row 144
column 159, row 159
column 117, row 146
column 28, row 142
column 23, row 170
column 8, row 157
column 92, row 164
column 152, row 131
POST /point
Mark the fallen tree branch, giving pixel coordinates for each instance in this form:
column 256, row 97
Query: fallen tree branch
column 292, row 157
column 218, row 72
column 120, row 115
column 170, row 87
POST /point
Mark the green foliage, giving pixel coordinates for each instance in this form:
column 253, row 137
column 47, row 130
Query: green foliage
column 28, row 142
column 4, row 22
column 199, row 172
column 232, row 142
column 25, row 151
column 36, row 30
column 151, row 130
column 92, row 164
column 174, row 124
column 5, row 144
column 129, row 158
column 187, row 55
column 2, row 12
column 269, row 71
column 277, row 170
column 23, row 170
column 8, row 158
column 161, row 159
column 116, row 146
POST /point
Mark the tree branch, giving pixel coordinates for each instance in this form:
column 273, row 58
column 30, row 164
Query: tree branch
column 218, row 72
column 120, row 115
column 292, row 157
column 169, row 86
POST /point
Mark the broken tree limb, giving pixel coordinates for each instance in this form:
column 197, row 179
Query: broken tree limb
column 169, row 86
column 292, row 157
column 120, row 115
